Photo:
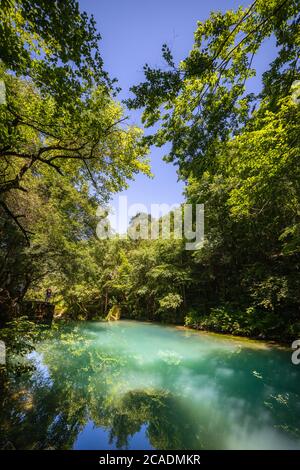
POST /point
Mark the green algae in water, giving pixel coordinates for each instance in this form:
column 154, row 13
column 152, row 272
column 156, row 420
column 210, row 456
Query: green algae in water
column 130, row 385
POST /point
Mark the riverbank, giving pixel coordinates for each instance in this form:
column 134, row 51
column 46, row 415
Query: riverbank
column 249, row 323
column 260, row 342
column 255, row 343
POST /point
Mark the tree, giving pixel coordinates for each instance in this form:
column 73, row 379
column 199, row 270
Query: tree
column 85, row 144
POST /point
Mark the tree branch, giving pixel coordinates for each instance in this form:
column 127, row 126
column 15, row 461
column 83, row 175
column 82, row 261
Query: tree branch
column 15, row 219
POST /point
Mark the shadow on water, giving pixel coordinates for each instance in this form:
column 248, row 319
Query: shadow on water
column 141, row 385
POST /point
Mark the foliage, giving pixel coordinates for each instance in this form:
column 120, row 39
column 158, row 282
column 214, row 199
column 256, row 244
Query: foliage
column 252, row 322
column 64, row 145
column 170, row 301
column 203, row 102
column 53, row 43
column 238, row 153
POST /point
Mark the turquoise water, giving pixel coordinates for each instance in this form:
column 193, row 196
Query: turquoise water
column 131, row 385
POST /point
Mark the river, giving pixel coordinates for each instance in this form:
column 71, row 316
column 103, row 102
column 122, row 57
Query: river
column 134, row 385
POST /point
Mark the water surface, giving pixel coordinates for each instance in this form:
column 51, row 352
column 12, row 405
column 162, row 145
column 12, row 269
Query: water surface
column 130, row 385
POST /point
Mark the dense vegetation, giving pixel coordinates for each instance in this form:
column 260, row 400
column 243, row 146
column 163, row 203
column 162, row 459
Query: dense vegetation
column 64, row 143
column 65, row 147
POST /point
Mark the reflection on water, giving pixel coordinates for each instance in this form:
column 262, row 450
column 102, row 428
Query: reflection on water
column 132, row 385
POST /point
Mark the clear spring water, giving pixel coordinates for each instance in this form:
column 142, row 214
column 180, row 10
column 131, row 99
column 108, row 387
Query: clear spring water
column 133, row 385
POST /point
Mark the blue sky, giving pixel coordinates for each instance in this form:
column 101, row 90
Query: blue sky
column 133, row 32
